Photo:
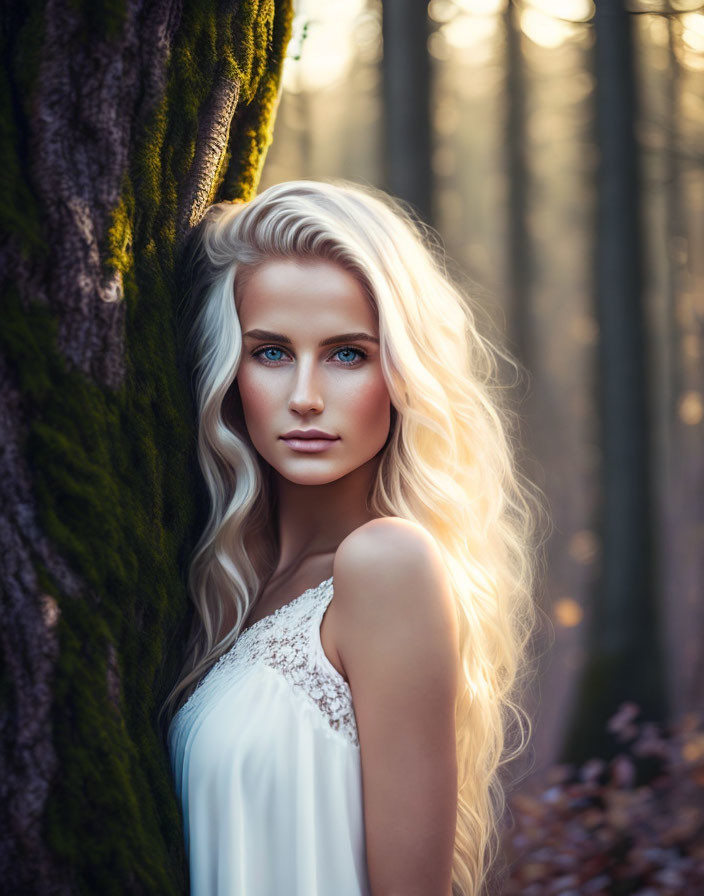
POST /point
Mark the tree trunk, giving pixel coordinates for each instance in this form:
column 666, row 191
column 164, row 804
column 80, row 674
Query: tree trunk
column 624, row 652
column 518, row 318
column 682, row 385
column 406, row 74
column 121, row 122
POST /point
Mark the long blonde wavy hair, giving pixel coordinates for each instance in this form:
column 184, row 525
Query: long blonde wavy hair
column 449, row 464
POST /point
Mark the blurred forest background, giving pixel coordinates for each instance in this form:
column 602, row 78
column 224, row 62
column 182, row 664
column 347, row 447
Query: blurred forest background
column 558, row 149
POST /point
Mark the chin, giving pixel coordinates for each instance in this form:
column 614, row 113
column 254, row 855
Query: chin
column 312, row 477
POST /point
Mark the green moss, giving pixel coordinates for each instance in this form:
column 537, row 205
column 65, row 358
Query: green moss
column 114, row 471
column 24, row 337
column 118, row 254
column 254, row 122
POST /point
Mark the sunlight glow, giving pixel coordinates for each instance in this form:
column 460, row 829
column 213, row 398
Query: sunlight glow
column 584, row 546
column 691, row 408
column 693, row 750
column 685, row 5
column 691, row 59
column 568, row 612
column 693, row 30
column 442, row 10
column 567, row 10
column 470, row 32
column 322, row 46
column 546, row 31
column 481, row 7
column 658, row 30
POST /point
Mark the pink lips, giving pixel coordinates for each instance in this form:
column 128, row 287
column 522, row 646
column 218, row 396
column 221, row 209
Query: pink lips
column 309, row 441
column 308, row 434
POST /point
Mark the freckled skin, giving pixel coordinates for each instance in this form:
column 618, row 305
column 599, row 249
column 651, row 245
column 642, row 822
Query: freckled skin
column 303, row 385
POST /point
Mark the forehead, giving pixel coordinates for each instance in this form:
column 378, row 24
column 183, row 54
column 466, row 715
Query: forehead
column 304, row 295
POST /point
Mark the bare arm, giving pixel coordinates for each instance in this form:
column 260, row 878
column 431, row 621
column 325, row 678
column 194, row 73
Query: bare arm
column 396, row 634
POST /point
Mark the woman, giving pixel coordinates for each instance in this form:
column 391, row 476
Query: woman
column 363, row 584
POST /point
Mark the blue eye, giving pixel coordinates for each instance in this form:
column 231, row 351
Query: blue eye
column 348, row 350
column 267, row 357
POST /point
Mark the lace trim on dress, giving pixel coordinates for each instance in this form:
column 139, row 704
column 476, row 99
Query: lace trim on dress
column 284, row 641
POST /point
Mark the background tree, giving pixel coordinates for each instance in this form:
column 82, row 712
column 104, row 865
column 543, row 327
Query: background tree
column 120, row 123
column 681, row 386
column 624, row 660
column 518, row 317
column 406, row 78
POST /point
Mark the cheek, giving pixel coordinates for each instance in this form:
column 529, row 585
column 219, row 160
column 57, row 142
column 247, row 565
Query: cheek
column 257, row 399
column 371, row 405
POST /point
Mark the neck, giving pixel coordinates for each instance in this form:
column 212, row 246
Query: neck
column 312, row 520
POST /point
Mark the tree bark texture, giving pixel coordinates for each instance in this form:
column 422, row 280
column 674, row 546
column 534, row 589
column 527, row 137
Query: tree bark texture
column 121, row 122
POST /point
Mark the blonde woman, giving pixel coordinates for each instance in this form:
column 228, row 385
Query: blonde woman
column 363, row 584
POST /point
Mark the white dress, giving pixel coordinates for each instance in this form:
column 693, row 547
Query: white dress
column 266, row 763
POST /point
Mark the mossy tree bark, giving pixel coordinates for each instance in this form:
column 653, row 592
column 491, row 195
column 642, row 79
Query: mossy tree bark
column 120, row 122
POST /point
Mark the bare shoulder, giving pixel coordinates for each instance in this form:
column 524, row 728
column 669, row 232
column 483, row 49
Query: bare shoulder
column 391, row 584
column 396, row 636
column 386, row 546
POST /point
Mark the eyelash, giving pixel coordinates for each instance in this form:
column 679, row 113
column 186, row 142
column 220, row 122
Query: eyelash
column 343, row 348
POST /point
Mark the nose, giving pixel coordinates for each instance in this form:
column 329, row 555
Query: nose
column 306, row 394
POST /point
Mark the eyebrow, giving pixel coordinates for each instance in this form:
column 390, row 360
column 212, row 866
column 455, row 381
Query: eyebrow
column 343, row 337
